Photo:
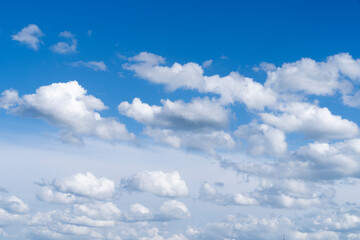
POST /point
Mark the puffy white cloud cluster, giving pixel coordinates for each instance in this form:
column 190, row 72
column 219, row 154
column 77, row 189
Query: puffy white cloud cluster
column 30, row 36
column 207, row 192
column 289, row 193
column 198, row 114
column 311, row 120
column 14, row 205
column 197, row 124
column 262, row 139
column 332, row 161
column 231, row 88
column 68, row 106
column 67, row 190
column 174, row 210
column 157, row 182
column 311, row 77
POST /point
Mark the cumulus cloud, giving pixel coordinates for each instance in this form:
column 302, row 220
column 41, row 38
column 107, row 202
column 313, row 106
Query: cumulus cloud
column 193, row 125
column 85, row 184
column 174, row 210
column 9, row 98
column 65, row 47
column 13, row 204
column 311, row 120
column 288, row 193
column 68, row 106
column 94, row 65
column 231, row 88
column 210, row 194
column 81, row 221
column 138, row 212
column 332, row 161
column 50, row 195
column 314, row 162
column 157, row 182
column 339, row 73
column 318, row 78
column 203, row 141
column 262, row 139
column 198, row 114
column 30, row 36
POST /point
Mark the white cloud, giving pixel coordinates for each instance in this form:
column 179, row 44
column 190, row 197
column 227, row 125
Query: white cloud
column 14, row 204
column 262, row 139
column 231, row 88
column 65, row 47
column 174, row 210
column 97, row 210
column 29, row 36
column 9, row 98
column 194, row 125
column 47, row 194
column 288, row 193
column 206, row 141
column 198, row 114
column 265, row 67
column 311, row 77
column 138, row 212
column 86, row 185
column 314, row 122
column 156, row 182
column 314, row 162
column 69, row 137
column 68, row 106
column 210, row 194
column 94, row 65
column 207, row 63
column 332, row 161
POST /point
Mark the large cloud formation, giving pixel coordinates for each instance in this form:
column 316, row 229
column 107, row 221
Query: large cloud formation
column 67, row 106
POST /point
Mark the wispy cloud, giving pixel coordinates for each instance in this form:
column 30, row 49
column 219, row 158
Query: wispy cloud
column 94, row 65
column 29, row 36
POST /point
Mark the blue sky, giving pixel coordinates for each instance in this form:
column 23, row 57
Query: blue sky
column 179, row 120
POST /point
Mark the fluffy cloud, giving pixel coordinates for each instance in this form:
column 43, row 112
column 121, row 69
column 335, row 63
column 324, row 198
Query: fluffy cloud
column 198, row 114
column 174, row 210
column 50, row 195
column 29, row 36
column 9, row 98
column 138, row 212
column 68, row 106
column 194, row 125
column 291, row 194
column 311, row 77
column 231, row 88
column 210, row 194
column 81, row 221
column 332, row 161
column 65, row 47
column 204, row 141
column 86, row 185
column 262, row 139
column 94, row 65
column 311, row 120
column 158, row 183
column 13, row 204
column 316, row 162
